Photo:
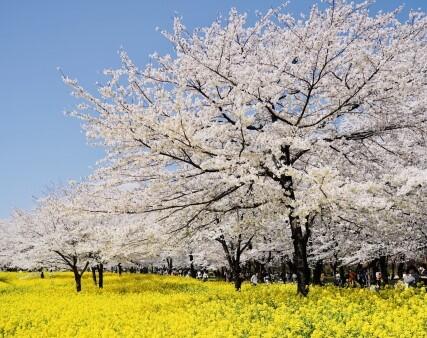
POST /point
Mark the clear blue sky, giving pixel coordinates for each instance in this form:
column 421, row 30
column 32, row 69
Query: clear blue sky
column 38, row 144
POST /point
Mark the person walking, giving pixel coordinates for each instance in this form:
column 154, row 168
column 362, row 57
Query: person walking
column 254, row 280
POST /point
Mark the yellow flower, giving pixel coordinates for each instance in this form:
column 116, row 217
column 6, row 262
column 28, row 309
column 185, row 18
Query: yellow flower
column 162, row 306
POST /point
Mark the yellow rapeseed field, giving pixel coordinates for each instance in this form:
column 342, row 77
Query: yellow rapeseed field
column 158, row 306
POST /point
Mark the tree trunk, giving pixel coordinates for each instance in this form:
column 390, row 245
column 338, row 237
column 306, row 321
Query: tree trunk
column 400, row 269
column 291, row 266
column 393, row 269
column 71, row 261
column 78, row 279
column 334, row 268
column 101, row 275
column 374, row 269
column 234, row 259
column 170, row 265
column 119, row 266
column 318, row 272
column 94, row 275
column 259, row 268
column 192, row 270
column 308, row 274
column 283, row 271
column 383, row 268
column 237, row 273
column 342, row 275
column 238, row 282
column 298, row 238
column 300, row 257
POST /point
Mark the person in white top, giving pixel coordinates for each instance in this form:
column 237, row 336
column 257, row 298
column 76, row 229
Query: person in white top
column 254, row 279
column 205, row 276
column 408, row 279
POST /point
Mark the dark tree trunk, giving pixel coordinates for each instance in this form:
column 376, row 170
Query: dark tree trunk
column 101, row 275
column 383, row 268
column 259, row 267
column 342, row 275
column 119, row 266
column 192, row 270
column 308, row 274
column 334, row 268
column 291, row 266
column 249, row 267
column 400, row 269
column 246, row 268
column 94, row 275
column 318, row 272
column 236, row 275
column 232, row 253
column 170, row 265
column 42, row 275
column 78, row 283
column 298, row 238
column 78, row 279
column 72, row 261
column 283, row 271
column 238, row 282
column 393, row 269
column 300, row 258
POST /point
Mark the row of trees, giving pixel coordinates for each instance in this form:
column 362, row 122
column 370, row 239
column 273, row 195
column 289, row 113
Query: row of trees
column 300, row 137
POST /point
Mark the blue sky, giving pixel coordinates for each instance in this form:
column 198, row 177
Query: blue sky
column 39, row 146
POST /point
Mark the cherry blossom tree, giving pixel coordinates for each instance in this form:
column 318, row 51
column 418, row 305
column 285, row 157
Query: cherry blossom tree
column 234, row 235
column 58, row 233
column 284, row 117
column 7, row 243
column 379, row 222
column 55, row 236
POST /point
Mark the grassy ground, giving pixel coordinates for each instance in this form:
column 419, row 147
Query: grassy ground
column 163, row 306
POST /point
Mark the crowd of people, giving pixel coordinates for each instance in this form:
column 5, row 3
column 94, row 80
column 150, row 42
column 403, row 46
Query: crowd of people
column 362, row 278
column 352, row 278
